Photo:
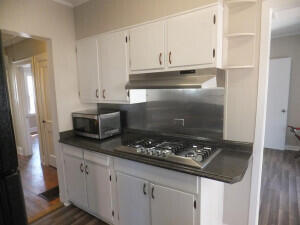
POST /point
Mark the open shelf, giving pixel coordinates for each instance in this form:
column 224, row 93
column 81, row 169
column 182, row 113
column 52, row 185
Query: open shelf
column 236, row 35
column 239, row 2
column 238, row 67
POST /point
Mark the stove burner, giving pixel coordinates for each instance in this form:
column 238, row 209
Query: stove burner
column 181, row 151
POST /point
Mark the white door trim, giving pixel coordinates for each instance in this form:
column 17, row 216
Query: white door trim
column 265, row 40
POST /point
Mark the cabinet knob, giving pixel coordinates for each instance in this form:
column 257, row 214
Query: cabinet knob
column 152, row 193
column 170, row 56
column 144, row 189
column 159, row 58
column 81, row 167
column 97, row 93
column 86, row 169
column 103, row 93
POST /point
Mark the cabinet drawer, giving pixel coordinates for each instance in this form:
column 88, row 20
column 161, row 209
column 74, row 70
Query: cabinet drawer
column 98, row 158
column 73, row 151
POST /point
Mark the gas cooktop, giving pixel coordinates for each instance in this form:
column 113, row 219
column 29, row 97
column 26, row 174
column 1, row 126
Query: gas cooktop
column 190, row 153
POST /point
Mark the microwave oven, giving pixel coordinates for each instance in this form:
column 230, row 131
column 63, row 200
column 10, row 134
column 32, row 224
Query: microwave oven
column 98, row 124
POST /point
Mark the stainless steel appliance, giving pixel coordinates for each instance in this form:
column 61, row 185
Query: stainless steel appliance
column 192, row 153
column 98, row 124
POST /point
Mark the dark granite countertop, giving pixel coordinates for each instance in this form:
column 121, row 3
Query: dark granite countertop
column 229, row 166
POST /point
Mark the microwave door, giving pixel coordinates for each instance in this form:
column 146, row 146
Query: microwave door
column 88, row 127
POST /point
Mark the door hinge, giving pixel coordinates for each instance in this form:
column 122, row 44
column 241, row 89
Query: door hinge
column 76, row 50
column 126, row 39
column 116, row 178
column 118, row 216
column 79, row 93
column 215, row 19
column 195, row 204
column 110, row 177
column 113, row 213
column 214, row 53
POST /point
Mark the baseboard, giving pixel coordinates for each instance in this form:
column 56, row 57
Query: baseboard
column 20, row 150
column 292, row 148
column 52, row 160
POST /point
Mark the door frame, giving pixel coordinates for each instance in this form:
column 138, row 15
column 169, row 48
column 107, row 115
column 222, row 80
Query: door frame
column 19, row 103
column 268, row 6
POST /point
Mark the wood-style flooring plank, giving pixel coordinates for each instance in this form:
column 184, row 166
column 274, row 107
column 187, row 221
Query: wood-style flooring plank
column 70, row 215
column 280, row 189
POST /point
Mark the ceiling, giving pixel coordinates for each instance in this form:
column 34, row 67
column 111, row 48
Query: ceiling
column 10, row 39
column 71, row 3
column 286, row 22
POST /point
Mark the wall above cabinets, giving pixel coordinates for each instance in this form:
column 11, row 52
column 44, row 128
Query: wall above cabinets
column 185, row 41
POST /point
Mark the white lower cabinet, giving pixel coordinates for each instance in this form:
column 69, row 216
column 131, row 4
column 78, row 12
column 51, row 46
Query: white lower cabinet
column 133, row 200
column 171, row 207
column 89, row 182
column 99, row 194
column 75, row 176
column 157, row 206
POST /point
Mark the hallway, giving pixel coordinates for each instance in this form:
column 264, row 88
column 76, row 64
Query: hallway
column 35, row 180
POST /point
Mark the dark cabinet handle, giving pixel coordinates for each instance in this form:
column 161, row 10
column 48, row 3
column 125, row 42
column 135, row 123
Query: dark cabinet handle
column 144, row 189
column 152, row 193
column 86, row 169
column 97, row 93
column 81, row 167
column 160, row 61
column 170, row 55
column 103, row 93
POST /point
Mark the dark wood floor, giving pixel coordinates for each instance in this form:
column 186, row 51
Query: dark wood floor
column 69, row 216
column 280, row 193
column 35, row 180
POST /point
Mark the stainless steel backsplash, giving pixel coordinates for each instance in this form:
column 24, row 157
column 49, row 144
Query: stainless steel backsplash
column 196, row 112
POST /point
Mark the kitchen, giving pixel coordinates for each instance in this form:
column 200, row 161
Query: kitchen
column 236, row 90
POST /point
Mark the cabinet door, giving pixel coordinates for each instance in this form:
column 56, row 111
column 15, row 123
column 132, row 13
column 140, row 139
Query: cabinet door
column 113, row 66
column 99, row 193
column 147, row 47
column 133, row 199
column 75, row 177
column 87, row 63
column 171, row 207
column 191, row 38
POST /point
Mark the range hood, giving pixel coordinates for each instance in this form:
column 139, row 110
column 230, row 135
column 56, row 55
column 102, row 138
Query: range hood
column 203, row 78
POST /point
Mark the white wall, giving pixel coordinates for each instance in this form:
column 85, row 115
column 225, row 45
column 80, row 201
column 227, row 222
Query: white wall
column 290, row 47
column 48, row 19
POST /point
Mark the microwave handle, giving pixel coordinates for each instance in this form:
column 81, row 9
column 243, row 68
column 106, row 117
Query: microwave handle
column 111, row 132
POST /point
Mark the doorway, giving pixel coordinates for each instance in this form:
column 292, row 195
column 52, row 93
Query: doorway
column 27, row 71
column 279, row 198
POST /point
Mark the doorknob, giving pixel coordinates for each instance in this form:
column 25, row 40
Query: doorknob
column 44, row 121
column 283, row 111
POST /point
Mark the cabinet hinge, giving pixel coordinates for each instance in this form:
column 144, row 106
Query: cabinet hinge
column 195, row 204
column 118, row 216
column 76, row 50
column 215, row 19
column 214, row 53
column 79, row 93
column 113, row 213
column 116, row 178
column 110, row 177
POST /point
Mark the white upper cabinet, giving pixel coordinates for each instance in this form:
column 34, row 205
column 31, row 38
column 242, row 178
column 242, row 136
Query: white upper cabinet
column 169, row 206
column 191, row 39
column 113, row 66
column 147, row 47
column 88, row 73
